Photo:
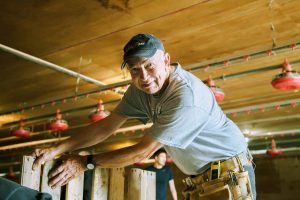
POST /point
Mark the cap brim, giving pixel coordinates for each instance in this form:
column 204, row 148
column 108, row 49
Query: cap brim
column 142, row 53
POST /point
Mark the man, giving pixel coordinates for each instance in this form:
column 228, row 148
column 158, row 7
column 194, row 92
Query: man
column 186, row 118
column 164, row 176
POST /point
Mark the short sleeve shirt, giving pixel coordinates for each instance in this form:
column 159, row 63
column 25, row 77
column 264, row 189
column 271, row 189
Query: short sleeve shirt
column 187, row 120
column 163, row 176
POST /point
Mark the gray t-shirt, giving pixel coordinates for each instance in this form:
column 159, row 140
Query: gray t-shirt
column 187, row 120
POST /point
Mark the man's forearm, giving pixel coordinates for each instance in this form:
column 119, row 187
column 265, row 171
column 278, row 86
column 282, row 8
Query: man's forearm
column 173, row 189
column 127, row 156
column 91, row 134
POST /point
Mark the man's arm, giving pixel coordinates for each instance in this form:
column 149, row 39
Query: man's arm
column 173, row 189
column 85, row 137
column 129, row 155
column 118, row 158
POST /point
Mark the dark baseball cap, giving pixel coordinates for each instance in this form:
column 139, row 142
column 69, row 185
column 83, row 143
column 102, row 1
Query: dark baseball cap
column 142, row 45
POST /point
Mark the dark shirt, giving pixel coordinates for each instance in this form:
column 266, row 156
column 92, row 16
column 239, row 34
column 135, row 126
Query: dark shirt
column 163, row 176
column 10, row 190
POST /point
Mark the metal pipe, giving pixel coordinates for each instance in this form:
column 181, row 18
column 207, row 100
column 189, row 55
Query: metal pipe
column 292, row 131
column 263, row 151
column 43, row 117
column 80, row 95
column 32, row 143
column 250, row 72
column 240, row 59
column 49, row 65
column 267, row 119
column 264, row 105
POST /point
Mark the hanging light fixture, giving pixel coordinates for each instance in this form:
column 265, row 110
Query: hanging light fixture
column 273, row 151
column 21, row 131
column 218, row 92
column 288, row 79
column 57, row 123
column 99, row 113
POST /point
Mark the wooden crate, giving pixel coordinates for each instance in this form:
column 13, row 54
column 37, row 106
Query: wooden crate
column 107, row 184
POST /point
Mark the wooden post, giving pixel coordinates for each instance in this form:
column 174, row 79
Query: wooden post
column 141, row 185
column 29, row 177
column 55, row 193
column 100, row 184
column 116, row 184
column 74, row 189
column 107, row 184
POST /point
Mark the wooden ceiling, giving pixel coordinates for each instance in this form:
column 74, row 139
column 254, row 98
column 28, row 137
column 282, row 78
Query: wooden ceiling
column 88, row 36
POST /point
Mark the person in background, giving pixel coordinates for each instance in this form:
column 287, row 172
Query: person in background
column 164, row 176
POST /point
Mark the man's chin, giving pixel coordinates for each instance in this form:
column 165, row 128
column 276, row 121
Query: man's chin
column 149, row 90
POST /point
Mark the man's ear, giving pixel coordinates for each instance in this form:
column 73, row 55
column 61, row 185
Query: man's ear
column 167, row 58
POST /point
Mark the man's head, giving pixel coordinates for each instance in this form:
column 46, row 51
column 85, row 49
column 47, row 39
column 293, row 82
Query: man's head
column 160, row 157
column 148, row 64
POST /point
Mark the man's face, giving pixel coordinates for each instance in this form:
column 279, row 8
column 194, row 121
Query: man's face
column 150, row 75
column 161, row 159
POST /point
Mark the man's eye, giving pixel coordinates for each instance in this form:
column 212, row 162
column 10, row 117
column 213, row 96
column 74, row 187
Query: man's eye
column 150, row 66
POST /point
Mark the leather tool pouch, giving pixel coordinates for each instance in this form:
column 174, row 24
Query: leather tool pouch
column 234, row 186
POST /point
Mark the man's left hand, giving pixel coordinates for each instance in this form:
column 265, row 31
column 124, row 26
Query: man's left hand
column 71, row 167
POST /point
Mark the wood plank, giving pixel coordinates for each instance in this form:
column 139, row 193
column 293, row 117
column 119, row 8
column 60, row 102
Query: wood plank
column 134, row 183
column 30, row 178
column 116, row 184
column 100, row 184
column 74, row 189
column 55, row 193
column 151, row 185
column 141, row 185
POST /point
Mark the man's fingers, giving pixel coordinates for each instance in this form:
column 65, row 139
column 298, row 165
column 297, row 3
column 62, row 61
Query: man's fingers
column 57, row 180
column 56, row 171
column 67, row 180
column 38, row 162
column 36, row 153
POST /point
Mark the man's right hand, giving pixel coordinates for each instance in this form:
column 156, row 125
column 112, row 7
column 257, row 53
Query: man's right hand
column 43, row 155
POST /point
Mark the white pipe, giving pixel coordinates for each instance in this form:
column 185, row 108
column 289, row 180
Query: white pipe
column 292, row 131
column 263, row 151
column 269, row 119
column 49, row 65
column 26, row 144
column 259, row 106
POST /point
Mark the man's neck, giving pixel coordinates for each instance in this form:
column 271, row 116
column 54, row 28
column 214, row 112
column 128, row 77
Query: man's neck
column 158, row 166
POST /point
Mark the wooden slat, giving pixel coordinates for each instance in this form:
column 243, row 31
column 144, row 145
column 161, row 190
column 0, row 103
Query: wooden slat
column 116, row 184
column 134, row 183
column 141, row 185
column 100, row 184
column 55, row 193
column 29, row 177
column 151, row 185
column 74, row 190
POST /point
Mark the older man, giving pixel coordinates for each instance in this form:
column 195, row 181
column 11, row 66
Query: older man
column 187, row 121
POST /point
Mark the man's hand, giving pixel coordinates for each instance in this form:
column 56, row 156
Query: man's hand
column 72, row 166
column 43, row 155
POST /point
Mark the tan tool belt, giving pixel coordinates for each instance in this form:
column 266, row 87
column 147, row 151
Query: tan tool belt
column 232, row 184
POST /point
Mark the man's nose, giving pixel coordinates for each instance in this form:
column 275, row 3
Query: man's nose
column 143, row 74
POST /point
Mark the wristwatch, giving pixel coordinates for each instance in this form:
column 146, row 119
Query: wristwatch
column 90, row 165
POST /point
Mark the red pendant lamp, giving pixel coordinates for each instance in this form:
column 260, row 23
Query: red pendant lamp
column 57, row 124
column 99, row 113
column 273, row 151
column 288, row 79
column 21, row 131
column 218, row 92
